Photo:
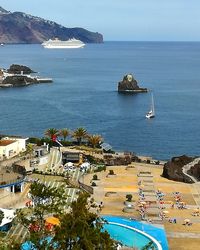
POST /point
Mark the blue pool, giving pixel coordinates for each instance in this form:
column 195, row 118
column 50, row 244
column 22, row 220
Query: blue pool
column 123, row 230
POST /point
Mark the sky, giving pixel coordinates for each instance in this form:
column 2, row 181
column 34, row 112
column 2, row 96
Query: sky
column 120, row 20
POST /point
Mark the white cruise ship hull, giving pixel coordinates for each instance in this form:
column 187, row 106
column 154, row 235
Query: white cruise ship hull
column 63, row 46
column 58, row 44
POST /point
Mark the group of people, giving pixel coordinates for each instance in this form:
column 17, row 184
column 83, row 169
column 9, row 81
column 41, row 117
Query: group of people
column 172, row 220
column 178, row 201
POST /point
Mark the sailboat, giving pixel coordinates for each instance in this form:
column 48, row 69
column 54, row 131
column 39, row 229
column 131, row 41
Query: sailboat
column 151, row 113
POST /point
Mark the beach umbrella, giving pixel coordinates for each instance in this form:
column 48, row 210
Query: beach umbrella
column 196, row 210
column 53, row 221
column 186, row 220
column 69, row 164
column 165, row 212
column 143, row 202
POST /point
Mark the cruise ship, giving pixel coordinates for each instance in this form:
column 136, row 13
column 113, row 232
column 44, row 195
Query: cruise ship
column 58, row 44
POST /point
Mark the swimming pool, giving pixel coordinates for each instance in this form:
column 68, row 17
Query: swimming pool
column 133, row 233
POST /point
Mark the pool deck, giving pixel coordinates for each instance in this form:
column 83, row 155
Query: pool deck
column 112, row 191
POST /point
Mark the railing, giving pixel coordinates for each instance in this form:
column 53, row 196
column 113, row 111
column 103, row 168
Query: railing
column 12, row 182
column 85, row 187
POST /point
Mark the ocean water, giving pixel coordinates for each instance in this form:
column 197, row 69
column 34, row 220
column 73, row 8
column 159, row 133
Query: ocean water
column 84, row 94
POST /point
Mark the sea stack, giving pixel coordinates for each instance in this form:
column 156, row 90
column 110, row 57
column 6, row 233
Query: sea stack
column 130, row 85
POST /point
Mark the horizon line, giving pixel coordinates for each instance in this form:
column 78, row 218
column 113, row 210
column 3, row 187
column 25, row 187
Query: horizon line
column 170, row 41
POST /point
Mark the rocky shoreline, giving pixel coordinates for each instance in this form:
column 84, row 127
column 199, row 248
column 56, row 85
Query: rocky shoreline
column 174, row 169
column 19, row 76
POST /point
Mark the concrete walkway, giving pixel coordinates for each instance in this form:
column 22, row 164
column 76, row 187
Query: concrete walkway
column 183, row 235
column 188, row 166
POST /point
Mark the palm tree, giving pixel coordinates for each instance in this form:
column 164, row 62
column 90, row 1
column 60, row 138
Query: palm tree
column 94, row 140
column 79, row 134
column 30, row 150
column 64, row 133
column 52, row 132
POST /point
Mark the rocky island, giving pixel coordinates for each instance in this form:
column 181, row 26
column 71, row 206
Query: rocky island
column 130, row 85
column 19, row 75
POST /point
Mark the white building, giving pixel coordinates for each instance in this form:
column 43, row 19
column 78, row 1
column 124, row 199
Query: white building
column 11, row 146
column 9, row 215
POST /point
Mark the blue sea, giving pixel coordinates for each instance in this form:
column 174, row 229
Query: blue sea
column 84, row 94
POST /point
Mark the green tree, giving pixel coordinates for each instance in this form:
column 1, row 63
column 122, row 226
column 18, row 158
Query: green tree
column 64, row 133
column 82, row 229
column 51, row 132
column 94, row 140
column 79, row 227
column 46, row 200
column 79, row 134
column 9, row 244
column 149, row 246
column 29, row 150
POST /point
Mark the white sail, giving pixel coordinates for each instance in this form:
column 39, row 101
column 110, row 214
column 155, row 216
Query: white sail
column 151, row 113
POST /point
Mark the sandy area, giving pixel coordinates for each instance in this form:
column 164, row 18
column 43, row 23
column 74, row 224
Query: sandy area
column 112, row 191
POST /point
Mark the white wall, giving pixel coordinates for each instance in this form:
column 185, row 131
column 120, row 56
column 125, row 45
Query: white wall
column 16, row 147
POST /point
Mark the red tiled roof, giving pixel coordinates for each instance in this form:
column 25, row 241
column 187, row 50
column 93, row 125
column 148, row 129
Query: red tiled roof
column 6, row 142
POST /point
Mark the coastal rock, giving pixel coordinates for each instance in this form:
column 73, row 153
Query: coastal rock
column 19, row 75
column 119, row 159
column 19, row 27
column 18, row 69
column 173, row 169
column 130, row 85
column 18, row 81
column 195, row 171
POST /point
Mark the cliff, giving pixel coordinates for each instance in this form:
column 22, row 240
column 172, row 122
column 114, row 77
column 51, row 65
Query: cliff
column 173, row 169
column 18, row 27
column 129, row 85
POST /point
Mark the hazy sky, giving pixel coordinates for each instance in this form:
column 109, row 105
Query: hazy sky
column 135, row 20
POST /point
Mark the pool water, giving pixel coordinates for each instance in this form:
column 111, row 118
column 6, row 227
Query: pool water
column 129, row 237
column 126, row 236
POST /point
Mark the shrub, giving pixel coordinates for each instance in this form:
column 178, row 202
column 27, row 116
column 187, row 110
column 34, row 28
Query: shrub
column 95, row 177
column 111, row 172
column 129, row 197
column 94, row 184
column 100, row 168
